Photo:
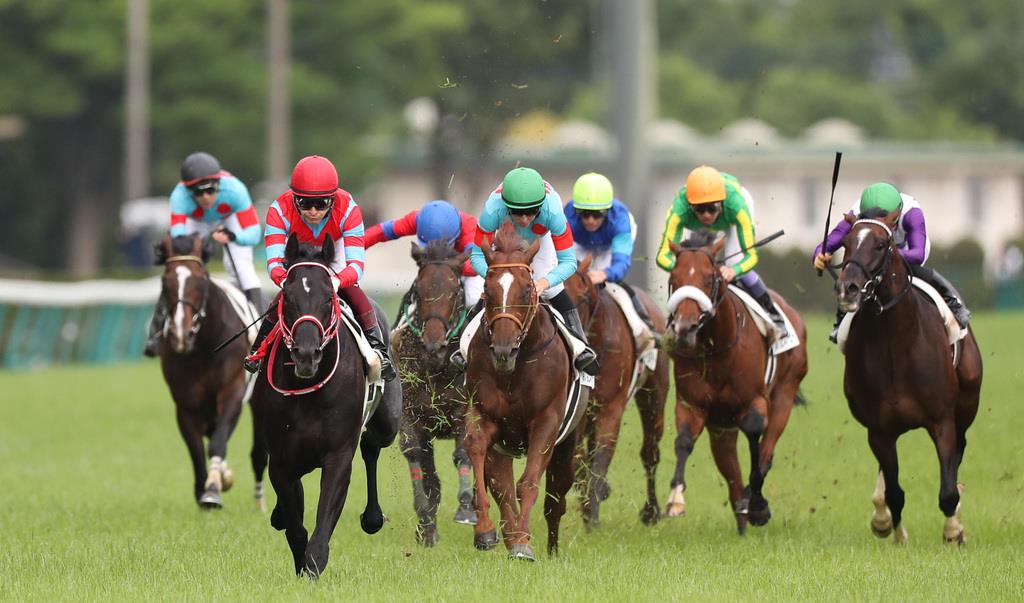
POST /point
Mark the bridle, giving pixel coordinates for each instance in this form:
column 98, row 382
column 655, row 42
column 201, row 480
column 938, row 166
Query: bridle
column 522, row 323
column 869, row 292
column 198, row 313
column 455, row 321
column 708, row 304
column 326, row 333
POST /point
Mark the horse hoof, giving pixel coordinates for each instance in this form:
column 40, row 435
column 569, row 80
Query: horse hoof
column 881, row 524
column 485, row 541
column 211, row 499
column 957, row 540
column 227, row 479
column 277, row 518
column 675, row 510
column 650, row 514
column 760, row 517
column 900, row 536
column 371, row 522
column 426, row 535
column 466, row 515
column 523, row 552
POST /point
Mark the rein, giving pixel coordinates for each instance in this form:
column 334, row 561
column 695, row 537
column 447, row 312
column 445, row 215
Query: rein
column 522, row 323
column 454, row 322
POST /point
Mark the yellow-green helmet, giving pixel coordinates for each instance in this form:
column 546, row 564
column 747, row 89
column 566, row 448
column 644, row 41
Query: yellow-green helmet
column 592, row 192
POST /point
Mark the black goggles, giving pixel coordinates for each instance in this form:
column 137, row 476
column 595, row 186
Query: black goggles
column 593, row 214
column 317, row 203
column 209, row 187
column 707, row 208
column 524, row 211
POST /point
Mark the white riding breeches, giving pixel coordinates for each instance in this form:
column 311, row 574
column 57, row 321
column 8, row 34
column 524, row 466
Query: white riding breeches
column 473, row 288
column 241, row 269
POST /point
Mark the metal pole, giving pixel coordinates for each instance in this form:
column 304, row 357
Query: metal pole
column 136, row 138
column 279, row 124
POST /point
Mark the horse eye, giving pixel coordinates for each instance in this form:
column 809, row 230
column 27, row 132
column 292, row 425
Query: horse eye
column 880, row 245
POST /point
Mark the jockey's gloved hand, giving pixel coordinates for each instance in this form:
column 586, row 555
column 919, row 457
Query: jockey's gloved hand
column 229, row 234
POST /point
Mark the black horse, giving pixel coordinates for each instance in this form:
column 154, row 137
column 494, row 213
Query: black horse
column 207, row 387
column 310, row 410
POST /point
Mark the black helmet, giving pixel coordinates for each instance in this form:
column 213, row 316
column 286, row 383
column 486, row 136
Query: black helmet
column 199, row 166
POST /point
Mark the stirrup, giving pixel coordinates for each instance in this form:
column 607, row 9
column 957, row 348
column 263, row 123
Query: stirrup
column 587, row 362
column 458, row 360
column 152, row 349
column 251, row 365
column 834, row 335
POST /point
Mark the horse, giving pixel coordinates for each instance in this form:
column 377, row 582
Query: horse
column 207, row 386
column 434, row 400
column 611, row 335
column 900, row 373
column 518, row 375
column 310, row 411
column 720, row 364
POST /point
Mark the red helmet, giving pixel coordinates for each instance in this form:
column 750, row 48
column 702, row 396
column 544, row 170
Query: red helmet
column 314, row 176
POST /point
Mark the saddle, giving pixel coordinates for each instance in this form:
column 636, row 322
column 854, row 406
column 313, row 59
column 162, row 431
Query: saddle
column 643, row 340
column 248, row 314
column 766, row 326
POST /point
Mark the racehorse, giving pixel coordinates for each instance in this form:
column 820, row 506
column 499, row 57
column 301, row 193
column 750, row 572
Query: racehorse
column 434, row 400
column 901, row 373
column 310, row 410
column 207, row 387
column 612, row 337
column 518, row 376
column 721, row 362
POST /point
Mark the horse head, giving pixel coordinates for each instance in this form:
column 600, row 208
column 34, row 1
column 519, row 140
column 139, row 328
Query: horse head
column 185, row 288
column 696, row 286
column 511, row 299
column 868, row 253
column 310, row 312
column 582, row 291
column 440, row 300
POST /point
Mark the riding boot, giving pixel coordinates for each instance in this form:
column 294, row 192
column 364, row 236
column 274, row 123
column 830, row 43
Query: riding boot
column 376, row 340
column 766, row 302
column 156, row 330
column 587, row 360
column 952, row 298
column 253, row 365
column 834, row 335
column 255, row 297
column 457, row 359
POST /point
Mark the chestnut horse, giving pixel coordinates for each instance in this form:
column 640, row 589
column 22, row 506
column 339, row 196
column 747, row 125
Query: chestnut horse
column 900, row 372
column 518, row 375
column 434, row 399
column 308, row 405
column 207, row 386
column 721, row 361
column 612, row 338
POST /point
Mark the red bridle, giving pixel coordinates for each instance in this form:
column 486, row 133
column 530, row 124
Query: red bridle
column 326, row 333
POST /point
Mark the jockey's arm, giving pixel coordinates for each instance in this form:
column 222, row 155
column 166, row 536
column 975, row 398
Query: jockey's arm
column 917, row 236
column 182, row 206
column 561, row 236
column 274, row 240
column 349, row 256
column 391, row 230
column 745, row 234
column 488, row 223
column 674, row 226
column 467, row 240
column 835, row 238
column 236, row 195
column 622, row 252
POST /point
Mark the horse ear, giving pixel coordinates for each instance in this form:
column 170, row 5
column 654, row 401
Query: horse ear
column 417, row 253
column 205, row 249
column 717, row 246
column 892, row 218
column 584, row 265
column 460, row 259
column 532, row 251
column 675, row 247
column 850, row 218
column 327, row 250
column 160, row 250
column 488, row 253
column 291, row 249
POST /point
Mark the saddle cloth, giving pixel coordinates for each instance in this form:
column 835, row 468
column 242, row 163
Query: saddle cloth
column 248, row 314
column 373, row 385
column 642, row 335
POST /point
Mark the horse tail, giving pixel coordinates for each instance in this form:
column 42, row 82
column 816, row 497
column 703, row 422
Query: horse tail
column 800, row 400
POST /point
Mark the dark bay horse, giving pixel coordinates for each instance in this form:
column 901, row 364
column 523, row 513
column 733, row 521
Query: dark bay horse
column 612, row 338
column 207, row 387
column 900, row 372
column 518, row 375
column 308, row 405
column 721, row 360
column 434, row 399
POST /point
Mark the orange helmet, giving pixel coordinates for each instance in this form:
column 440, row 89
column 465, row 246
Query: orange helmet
column 705, row 184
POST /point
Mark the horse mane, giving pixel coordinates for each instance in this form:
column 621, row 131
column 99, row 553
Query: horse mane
column 873, row 213
column 438, row 250
column 507, row 240
column 308, row 252
column 699, row 239
column 182, row 244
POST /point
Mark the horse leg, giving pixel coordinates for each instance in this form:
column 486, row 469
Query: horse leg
column 538, row 458
column 288, row 512
column 723, row 449
column 334, row 480
column 191, row 428
column 689, row 425
column 218, row 477
column 258, row 456
column 414, row 450
column 371, row 520
column 753, row 425
column 559, row 481
column 465, row 514
column 478, row 439
column 501, row 482
column 948, row 445
column 651, row 405
column 606, row 432
column 884, row 447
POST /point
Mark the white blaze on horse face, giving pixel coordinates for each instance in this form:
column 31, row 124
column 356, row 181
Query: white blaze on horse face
column 692, row 270
column 506, row 282
column 305, row 285
column 179, row 312
column 863, row 234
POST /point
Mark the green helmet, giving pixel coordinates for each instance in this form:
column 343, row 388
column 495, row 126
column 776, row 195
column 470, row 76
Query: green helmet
column 881, row 195
column 523, row 188
column 592, row 192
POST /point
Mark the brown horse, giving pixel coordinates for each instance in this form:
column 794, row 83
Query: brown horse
column 433, row 396
column 720, row 365
column 207, row 386
column 611, row 336
column 900, row 372
column 518, row 375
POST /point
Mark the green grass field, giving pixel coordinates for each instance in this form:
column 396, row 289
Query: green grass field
column 95, row 503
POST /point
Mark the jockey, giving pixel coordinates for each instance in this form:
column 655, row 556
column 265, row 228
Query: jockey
column 911, row 239
column 536, row 210
column 313, row 208
column 603, row 227
column 211, row 200
column 436, row 220
column 715, row 200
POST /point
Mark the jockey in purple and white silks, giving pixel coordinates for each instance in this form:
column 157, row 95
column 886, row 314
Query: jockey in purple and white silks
column 910, row 236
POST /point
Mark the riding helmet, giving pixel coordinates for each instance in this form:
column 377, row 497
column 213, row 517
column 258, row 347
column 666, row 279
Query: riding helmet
column 523, row 188
column 881, row 195
column 314, row 176
column 198, row 167
column 705, row 184
column 592, row 192
column 438, row 220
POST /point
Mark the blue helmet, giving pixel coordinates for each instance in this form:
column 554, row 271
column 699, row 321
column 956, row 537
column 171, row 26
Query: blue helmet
column 438, row 220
